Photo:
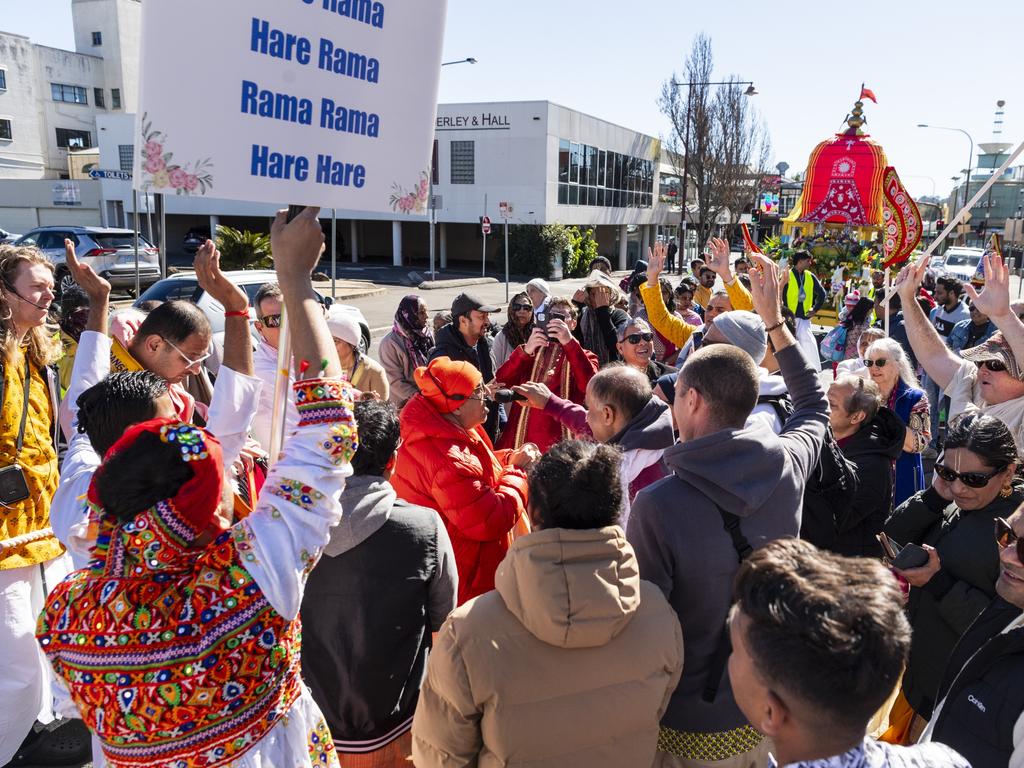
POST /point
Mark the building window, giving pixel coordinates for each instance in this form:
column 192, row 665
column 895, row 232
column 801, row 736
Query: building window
column 435, row 174
column 5, row 131
column 563, row 164
column 115, row 98
column 3, row 79
column 126, row 155
column 97, row 38
column 97, row 94
column 71, row 139
column 72, row 94
column 463, row 162
column 595, row 177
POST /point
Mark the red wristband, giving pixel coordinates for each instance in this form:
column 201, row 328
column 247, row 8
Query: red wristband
column 239, row 313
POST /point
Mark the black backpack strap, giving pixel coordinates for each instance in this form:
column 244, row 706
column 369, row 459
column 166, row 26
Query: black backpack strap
column 721, row 656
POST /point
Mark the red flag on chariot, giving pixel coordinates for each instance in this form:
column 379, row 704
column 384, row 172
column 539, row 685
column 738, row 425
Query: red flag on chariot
column 867, row 93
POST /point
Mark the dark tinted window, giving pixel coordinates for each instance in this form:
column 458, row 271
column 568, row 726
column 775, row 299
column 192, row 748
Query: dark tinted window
column 170, row 290
column 119, row 240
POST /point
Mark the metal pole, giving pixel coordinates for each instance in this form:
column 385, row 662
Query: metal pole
column 483, row 268
column 282, row 383
column 686, row 168
column 967, row 181
column 506, row 260
column 149, row 216
column 334, row 253
column 888, row 288
column 430, row 202
column 163, row 235
column 135, row 221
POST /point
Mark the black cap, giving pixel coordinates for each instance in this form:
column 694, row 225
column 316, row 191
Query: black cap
column 466, row 302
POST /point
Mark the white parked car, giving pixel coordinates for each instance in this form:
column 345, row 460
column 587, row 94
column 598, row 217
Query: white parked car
column 960, row 262
column 7, row 237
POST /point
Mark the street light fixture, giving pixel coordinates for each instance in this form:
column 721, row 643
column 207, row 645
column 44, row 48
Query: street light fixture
column 970, row 158
column 430, row 193
column 750, row 91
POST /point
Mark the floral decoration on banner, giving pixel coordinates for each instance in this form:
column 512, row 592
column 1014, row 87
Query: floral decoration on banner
column 161, row 172
column 901, row 220
column 414, row 201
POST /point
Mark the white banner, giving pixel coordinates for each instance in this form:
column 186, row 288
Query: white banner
column 312, row 102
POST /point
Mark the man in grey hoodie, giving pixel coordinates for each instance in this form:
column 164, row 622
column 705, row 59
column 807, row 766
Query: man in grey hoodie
column 387, row 581
column 732, row 488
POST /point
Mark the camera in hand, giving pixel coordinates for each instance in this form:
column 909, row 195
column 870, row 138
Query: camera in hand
column 504, row 396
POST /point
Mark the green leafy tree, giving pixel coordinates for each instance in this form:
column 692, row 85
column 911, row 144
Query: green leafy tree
column 241, row 249
column 582, row 252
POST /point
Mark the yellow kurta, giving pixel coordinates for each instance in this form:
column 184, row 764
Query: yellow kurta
column 38, row 458
column 674, row 328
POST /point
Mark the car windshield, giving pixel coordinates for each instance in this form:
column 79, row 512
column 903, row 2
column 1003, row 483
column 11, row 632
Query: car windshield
column 119, row 240
column 171, row 290
column 962, row 259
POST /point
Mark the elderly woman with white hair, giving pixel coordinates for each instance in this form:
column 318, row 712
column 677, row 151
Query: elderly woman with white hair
column 889, row 367
column 364, row 373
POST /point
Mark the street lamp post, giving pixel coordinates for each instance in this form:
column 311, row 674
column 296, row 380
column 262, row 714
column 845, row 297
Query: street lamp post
column 970, row 157
column 430, row 194
column 751, row 91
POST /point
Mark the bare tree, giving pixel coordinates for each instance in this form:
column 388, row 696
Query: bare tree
column 719, row 134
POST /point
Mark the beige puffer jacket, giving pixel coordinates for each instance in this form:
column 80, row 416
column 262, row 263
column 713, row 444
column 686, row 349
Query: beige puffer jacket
column 571, row 661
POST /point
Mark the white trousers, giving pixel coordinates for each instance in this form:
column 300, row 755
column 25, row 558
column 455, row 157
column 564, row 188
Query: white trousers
column 808, row 345
column 25, row 674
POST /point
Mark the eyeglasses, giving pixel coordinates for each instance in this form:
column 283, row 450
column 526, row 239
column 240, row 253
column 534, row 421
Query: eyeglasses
column 880, row 362
column 1005, row 537
column 635, row 338
column 996, row 366
column 970, row 479
column 521, row 307
column 271, row 321
column 190, row 363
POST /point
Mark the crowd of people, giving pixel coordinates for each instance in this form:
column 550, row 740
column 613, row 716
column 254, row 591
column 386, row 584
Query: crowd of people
column 625, row 527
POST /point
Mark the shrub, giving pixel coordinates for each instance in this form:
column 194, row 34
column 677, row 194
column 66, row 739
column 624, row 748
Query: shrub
column 243, row 249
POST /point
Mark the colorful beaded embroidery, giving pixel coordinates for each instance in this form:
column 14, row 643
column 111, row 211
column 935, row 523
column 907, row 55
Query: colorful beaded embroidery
column 296, row 493
column 341, row 445
column 323, row 401
column 188, row 439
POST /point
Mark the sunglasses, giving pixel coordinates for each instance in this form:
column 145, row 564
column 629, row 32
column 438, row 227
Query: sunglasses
column 996, row 366
column 636, row 338
column 880, row 362
column 970, row 479
column 521, row 307
column 1005, row 537
column 190, row 363
column 480, row 395
column 271, row 321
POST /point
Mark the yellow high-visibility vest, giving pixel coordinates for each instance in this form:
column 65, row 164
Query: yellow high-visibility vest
column 793, row 292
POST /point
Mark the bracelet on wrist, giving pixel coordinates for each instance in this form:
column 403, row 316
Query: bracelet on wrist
column 775, row 327
column 238, row 313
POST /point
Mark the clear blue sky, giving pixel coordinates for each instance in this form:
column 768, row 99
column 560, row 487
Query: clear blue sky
column 941, row 62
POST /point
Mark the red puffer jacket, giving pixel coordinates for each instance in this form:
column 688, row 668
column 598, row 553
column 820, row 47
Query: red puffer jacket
column 442, row 466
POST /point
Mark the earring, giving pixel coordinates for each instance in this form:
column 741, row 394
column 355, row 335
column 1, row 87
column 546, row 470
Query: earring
column 1006, row 491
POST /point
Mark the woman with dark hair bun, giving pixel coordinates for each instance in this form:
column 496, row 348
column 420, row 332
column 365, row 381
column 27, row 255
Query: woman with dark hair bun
column 974, row 482
column 569, row 606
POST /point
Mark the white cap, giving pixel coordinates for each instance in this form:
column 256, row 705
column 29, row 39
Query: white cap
column 541, row 285
column 343, row 326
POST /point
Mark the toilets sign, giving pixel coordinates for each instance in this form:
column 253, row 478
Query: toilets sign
column 317, row 102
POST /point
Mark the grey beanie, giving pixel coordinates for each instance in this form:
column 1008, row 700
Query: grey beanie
column 744, row 330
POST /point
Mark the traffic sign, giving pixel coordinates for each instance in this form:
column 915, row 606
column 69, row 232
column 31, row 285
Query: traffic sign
column 97, row 173
column 485, row 225
column 505, row 210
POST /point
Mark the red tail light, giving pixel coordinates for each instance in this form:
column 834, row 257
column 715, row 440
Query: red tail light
column 99, row 252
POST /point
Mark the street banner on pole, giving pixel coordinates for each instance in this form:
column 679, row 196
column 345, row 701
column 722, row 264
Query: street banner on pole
column 319, row 102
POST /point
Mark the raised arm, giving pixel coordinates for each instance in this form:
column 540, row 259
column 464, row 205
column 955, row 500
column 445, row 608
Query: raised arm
column 994, row 301
column 672, row 328
column 938, row 361
column 237, row 342
column 717, row 259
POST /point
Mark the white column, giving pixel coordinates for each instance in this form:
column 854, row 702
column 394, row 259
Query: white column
column 444, row 245
column 214, row 223
column 622, row 248
column 645, row 241
column 396, row 243
column 353, row 240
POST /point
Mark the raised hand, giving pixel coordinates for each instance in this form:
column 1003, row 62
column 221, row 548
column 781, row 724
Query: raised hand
column 717, row 258
column 95, row 287
column 656, row 262
column 909, row 280
column 538, row 340
column 994, row 299
column 213, row 281
column 764, row 289
column 536, row 394
column 296, row 244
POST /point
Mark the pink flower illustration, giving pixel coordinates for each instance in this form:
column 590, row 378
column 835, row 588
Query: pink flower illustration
column 178, row 178
column 191, row 183
column 423, row 187
column 155, row 165
column 153, row 150
column 161, row 179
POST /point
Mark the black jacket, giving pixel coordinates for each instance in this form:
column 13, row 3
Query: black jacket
column 450, row 343
column 983, row 689
column 942, row 610
column 851, row 531
column 608, row 321
column 386, row 581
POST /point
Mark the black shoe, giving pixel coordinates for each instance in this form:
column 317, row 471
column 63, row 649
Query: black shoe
column 61, row 743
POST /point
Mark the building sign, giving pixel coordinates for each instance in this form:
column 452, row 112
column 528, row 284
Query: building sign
column 316, row 102
column 480, row 121
column 67, row 193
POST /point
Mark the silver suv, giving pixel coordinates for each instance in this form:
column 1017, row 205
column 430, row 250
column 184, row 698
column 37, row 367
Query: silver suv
column 110, row 252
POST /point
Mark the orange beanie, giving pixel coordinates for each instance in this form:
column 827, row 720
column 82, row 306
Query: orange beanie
column 443, row 378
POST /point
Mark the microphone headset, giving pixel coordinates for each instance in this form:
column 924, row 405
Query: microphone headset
column 12, row 289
